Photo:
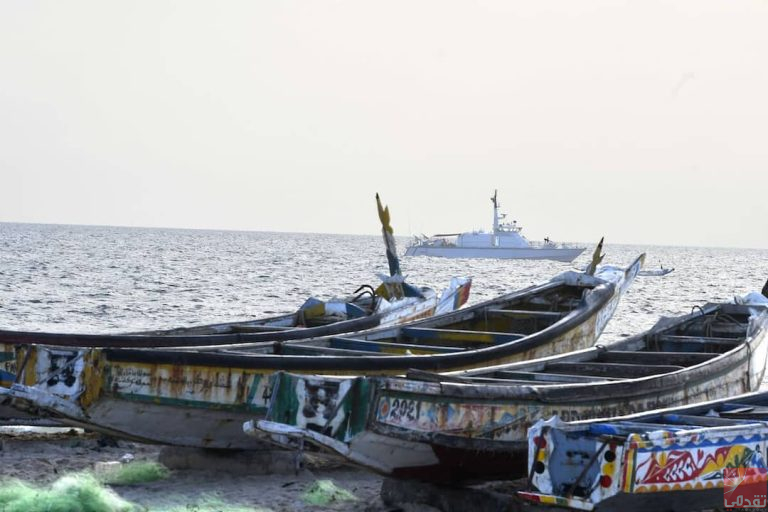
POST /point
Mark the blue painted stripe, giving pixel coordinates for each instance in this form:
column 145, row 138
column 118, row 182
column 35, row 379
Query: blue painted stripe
column 353, row 344
column 455, row 335
column 384, row 346
column 7, row 378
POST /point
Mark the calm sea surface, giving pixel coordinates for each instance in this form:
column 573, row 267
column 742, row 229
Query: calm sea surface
column 110, row 279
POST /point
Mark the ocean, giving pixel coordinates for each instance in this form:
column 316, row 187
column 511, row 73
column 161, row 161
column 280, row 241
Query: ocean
column 88, row 279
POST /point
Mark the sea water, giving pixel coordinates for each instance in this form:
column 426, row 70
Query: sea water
column 88, row 279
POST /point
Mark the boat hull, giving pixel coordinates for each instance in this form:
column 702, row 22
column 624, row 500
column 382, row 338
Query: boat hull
column 688, row 500
column 423, row 446
column 455, row 296
column 469, row 458
column 279, row 329
column 526, row 253
column 466, row 432
column 655, row 466
column 74, row 384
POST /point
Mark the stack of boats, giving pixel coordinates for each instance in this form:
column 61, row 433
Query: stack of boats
column 406, row 384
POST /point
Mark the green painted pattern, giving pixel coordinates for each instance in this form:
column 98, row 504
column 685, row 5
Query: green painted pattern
column 254, row 387
column 285, row 403
column 7, row 356
column 286, row 408
column 357, row 408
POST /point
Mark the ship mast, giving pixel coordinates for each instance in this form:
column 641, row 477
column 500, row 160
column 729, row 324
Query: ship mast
column 495, row 212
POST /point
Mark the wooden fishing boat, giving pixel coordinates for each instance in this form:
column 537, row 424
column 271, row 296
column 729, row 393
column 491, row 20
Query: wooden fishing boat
column 202, row 397
column 472, row 425
column 393, row 302
column 688, row 458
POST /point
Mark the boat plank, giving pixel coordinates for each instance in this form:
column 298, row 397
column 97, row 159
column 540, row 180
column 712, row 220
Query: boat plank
column 702, row 421
column 525, row 313
column 534, row 377
column 311, row 350
column 674, row 358
column 752, row 412
column 490, row 337
column 626, row 371
column 699, row 339
column 389, row 347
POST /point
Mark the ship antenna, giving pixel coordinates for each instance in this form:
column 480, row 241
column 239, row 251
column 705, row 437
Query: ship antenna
column 495, row 212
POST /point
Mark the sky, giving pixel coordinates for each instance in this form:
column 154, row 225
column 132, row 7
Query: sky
column 643, row 121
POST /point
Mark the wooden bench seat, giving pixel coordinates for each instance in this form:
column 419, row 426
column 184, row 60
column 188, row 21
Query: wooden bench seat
column 534, row 377
column 702, row 421
column 390, row 347
column 674, row 358
column 622, row 371
column 524, row 313
column 312, row 350
column 459, row 336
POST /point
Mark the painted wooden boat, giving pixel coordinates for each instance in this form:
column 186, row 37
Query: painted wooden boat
column 202, row 398
column 314, row 319
column 472, row 425
column 688, row 458
column 393, row 302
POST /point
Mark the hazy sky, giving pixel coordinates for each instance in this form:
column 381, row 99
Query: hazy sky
column 643, row 121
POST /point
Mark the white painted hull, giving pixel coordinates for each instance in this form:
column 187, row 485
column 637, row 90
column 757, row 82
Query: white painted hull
column 526, row 253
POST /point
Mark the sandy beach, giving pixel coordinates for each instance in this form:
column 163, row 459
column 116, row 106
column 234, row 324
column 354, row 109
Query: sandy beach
column 42, row 458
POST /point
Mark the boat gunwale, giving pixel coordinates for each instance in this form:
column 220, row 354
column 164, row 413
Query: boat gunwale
column 156, row 338
column 587, row 391
column 598, row 297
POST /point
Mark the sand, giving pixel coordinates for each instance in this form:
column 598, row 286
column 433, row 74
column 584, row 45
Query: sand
column 44, row 455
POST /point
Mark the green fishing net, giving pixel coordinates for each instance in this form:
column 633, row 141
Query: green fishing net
column 72, row 493
column 325, row 492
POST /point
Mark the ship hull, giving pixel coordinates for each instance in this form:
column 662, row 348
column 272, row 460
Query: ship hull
column 511, row 253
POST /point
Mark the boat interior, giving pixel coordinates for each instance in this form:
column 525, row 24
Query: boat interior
column 493, row 324
column 697, row 339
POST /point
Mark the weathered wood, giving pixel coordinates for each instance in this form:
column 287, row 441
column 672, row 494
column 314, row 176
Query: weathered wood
column 426, row 376
column 625, row 371
column 310, row 350
column 690, row 446
column 534, row 377
column 449, row 430
column 567, row 303
column 441, row 378
column 730, row 329
column 524, row 313
column 154, row 394
column 446, row 335
column 701, row 421
column 751, row 412
column 711, row 340
column 260, row 328
column 674, row 358
column 384, row 346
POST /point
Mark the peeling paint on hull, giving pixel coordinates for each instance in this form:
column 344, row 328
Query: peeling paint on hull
column 469, row 431
column 230, row 387
column 671, row 459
